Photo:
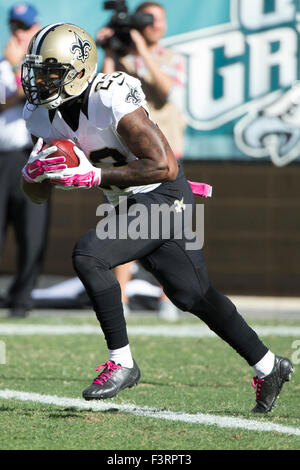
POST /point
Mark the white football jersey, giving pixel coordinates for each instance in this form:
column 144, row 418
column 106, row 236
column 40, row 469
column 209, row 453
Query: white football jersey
column 91, row 122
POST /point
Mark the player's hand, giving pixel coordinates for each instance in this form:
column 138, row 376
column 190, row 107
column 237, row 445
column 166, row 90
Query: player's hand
column 85, row 175
column 39, row 163
column 14, row 51
column 139, row 42
column 104, row 34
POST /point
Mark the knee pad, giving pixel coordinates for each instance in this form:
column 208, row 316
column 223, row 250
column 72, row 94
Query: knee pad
column 95, row 274
column 84, row 264
column 181, row 298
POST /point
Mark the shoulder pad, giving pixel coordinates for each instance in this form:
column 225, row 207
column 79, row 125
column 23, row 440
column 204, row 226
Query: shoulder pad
column 119, row 94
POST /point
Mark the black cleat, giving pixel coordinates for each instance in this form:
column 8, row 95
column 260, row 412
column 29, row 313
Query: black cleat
column 270, row 386
column 111, row 381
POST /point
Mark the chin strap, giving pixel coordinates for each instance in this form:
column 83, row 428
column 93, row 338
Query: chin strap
column 59, row 101
column 53, row 104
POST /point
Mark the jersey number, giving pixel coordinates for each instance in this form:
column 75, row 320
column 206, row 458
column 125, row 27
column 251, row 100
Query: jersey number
column 104, row 84
column 97, row 155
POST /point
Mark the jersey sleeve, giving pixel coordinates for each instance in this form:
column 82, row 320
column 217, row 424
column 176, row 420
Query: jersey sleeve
column 121, row 94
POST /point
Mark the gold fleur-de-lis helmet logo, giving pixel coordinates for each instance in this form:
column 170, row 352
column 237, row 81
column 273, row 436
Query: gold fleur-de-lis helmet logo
column 81, row 48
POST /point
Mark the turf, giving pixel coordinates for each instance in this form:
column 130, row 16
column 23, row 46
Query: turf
column 178, row 374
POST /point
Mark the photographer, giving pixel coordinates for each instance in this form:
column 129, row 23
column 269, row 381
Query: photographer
column 160, row 70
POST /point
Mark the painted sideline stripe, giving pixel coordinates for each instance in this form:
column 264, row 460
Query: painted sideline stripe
column 178, row 331
column 146, row 412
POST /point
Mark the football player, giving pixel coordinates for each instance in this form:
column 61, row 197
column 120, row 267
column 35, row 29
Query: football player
column 124, row 153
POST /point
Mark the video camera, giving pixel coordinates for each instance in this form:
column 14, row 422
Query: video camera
column 122, row 22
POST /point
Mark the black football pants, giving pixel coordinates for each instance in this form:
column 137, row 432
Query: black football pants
column 181, row 272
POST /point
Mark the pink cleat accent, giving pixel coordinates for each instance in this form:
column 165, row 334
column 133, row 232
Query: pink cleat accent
column 109, row 367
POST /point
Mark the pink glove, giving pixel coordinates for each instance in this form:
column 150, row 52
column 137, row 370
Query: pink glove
column 38, row 163
column 85, row 175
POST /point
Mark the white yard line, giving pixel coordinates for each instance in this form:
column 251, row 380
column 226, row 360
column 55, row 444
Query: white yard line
column 179, row 331
column 160, row 330
column 146, row 412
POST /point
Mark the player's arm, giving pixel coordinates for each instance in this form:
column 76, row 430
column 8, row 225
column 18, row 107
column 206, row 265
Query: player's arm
column 156, row 162
column 123, row 101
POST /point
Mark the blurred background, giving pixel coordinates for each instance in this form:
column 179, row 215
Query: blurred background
column 241, row 105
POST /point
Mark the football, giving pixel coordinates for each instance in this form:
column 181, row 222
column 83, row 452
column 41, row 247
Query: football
column 40, row 192
column 65, row 149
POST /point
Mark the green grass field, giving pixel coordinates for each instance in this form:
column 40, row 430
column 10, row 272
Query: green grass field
column 188, row 375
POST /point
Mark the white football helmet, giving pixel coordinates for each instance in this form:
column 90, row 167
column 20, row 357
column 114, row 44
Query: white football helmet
column 60, row 63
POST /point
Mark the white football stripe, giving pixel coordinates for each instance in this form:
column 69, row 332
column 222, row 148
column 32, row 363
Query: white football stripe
column 146, row 412
column 176, row 331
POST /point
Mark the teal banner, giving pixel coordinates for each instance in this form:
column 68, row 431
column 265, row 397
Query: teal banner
column 242, row 99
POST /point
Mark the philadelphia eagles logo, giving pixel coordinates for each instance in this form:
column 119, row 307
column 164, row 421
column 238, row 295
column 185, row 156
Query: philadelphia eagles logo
column 133, row 96
column 81, row 48
column 273, row 130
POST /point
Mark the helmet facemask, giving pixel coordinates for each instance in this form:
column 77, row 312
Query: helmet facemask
column 44, row 82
